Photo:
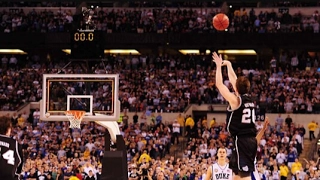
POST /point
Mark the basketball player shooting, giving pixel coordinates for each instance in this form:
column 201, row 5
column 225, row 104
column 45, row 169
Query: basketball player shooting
column 220, row 169
column 10, row 152
column 241, row 122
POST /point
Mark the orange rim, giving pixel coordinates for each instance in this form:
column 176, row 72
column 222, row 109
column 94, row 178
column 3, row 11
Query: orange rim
column 76, row 113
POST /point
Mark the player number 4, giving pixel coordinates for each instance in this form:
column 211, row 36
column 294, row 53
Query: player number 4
column 9, row 156
column 248, row 116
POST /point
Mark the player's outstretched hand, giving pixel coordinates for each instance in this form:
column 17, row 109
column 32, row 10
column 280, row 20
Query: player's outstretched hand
column 217, row 59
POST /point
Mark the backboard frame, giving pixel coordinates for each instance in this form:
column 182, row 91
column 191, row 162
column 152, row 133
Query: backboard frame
column 88, row 117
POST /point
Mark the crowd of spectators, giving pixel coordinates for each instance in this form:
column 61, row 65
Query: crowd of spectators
column 163, row 4
column 170, row 83
column 53, row 151
column 158, row 20
column 37, row 4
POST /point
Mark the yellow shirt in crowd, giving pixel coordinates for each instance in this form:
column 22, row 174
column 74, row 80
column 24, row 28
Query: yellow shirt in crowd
column 312, row 126
column 204, row 122
column 21, row 121
column 212, row 123
column 296, row 166
column 180, row 120
column 284, row 171
column 144, row 156
column 190, row 122
column 86, row 153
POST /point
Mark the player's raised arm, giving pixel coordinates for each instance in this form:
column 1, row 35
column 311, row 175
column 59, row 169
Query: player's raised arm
column 230, row 97
column 263, row 130
column 231, row 74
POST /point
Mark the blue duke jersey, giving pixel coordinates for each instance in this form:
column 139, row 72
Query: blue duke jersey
column 241, row 121
column 10, row 158
column 255, row 174
column 221, row 172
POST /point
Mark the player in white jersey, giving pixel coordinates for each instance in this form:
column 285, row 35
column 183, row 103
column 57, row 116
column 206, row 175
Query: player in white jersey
column 220, row 169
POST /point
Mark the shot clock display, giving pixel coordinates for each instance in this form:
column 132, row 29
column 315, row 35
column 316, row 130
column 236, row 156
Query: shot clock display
column 83, row 36
column 86, row 44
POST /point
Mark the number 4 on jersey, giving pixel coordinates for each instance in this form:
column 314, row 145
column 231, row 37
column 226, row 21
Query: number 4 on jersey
column 9, row 156
column 248, row 116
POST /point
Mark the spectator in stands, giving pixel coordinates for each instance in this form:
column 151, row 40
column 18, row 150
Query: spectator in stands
column 312, row 126
column 284, row 171
column 296, row 166
column 288, row 122
column 279, row 122
column 176, row 131
column 189, row 125
column 180, row 120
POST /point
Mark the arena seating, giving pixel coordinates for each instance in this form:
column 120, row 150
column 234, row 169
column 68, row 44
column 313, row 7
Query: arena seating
column 166, row 83
column 156, row 20
column 76, row 149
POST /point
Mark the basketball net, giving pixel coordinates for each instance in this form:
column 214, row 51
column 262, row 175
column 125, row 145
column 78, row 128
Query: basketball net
column 75, row 118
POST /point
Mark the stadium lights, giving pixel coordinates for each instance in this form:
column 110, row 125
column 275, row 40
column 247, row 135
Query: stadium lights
column 113, row 51
column 12, row 51
column 238, row 52
column 192, row 51
column 67, row 51
column 122, row 51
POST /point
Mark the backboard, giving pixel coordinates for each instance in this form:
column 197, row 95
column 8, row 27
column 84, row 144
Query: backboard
column 97, row 94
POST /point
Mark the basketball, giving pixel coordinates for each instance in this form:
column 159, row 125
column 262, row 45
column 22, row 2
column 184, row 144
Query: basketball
column 220, row 22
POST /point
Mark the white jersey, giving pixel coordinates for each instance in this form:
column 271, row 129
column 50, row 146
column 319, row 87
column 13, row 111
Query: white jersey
column 255, row 174
column 221, row 172
column 276, row 175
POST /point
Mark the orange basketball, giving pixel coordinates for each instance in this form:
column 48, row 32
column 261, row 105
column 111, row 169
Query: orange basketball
column 220, row 22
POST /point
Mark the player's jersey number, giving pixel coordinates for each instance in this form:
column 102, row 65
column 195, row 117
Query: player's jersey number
column 248, row 116
column 9, row 156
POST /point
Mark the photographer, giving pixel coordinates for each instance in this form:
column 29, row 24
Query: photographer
column 144, row 172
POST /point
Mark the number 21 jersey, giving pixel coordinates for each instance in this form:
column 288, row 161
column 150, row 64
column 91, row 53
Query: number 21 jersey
column 241, row 121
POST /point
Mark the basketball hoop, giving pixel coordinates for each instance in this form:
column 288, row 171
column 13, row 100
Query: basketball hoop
column 75, row 118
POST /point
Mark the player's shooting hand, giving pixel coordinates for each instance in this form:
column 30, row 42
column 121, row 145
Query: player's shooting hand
column 217, row 59
column 225, row 62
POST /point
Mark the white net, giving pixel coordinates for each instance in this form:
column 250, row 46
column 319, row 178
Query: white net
column 75, row 118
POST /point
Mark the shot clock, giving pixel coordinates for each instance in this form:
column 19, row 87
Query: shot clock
column 83, row 36
column 86, row 44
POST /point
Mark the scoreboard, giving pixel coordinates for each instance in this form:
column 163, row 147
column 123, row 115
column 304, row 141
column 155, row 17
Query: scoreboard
column 87, row 44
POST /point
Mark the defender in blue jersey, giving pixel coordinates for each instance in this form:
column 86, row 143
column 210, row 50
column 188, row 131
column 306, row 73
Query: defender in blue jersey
column 241, row 121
